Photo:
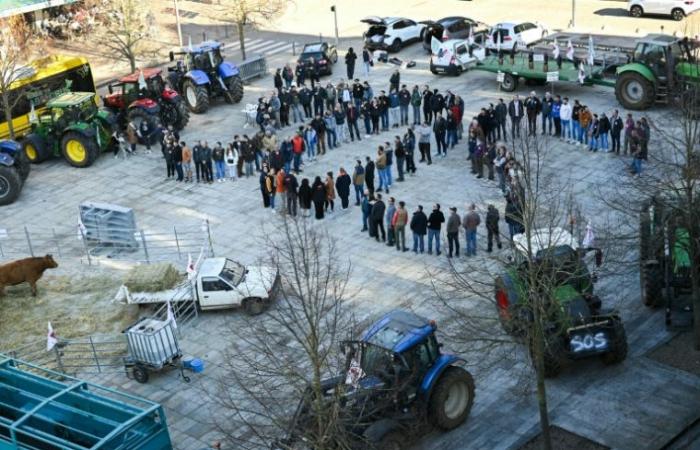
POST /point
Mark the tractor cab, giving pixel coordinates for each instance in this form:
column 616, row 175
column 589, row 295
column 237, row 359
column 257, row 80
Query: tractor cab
column 205, row 56
column 69, row 108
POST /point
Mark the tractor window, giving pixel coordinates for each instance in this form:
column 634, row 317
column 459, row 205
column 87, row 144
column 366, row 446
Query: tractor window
column 652, row 55
column 215, row 57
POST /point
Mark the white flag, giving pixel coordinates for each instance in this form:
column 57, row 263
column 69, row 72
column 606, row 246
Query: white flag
column 589, row 238
column 569, row 51
column 471, row 34
column 591, row 51
column 581, row 73
column 555, row 51
column 355, row 373
column 190, row 267
column 189, row 38
column 51, row 339
column 171, row 316
column 32, row 114
column 142, row 81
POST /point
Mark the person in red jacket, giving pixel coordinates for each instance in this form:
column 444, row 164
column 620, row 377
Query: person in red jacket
column 298, row 148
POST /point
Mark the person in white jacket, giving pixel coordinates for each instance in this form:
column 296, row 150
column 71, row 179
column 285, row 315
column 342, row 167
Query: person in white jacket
column 565, row 116
column 231, row 160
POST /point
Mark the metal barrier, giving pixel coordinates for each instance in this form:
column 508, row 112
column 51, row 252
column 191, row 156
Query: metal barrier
column 253, row 67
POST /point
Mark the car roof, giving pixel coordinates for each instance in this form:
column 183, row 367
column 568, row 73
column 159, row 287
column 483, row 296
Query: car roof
column 134, row 77
column 451, row 19
column 399, row 331
column 70, row 99
column 544, row 238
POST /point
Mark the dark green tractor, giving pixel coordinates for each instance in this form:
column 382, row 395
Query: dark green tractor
column 575, row 324
column 664, row 262
column 72, row 126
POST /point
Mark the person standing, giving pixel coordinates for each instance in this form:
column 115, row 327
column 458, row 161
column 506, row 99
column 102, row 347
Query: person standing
column 424, row 134
column 290, row 186
column 400, row 153
column 277, row 79
column 394, row 108
column 470, row 223
column 177, row 159
column 644, row 137
column 629, row 127
column 207, row 155
column 367, row 60
column 380, row 164
column 231, row 162
column 330, row 192
column 350, row 58
column 453, row 223
column 369, row 175
column 383, row 104
column 248, row 157
column 409, row 144
column 305, row 198
column 500, row 114
column 352, row 116
column 416, row 99
column 218, row 157
column 594, row 133
column 440, row 130
column 389, row 151
column 358, row 181
column 404, row 102
column 565, row 117
column 169, row 156
column 616, row 127
column 435, row 221
column 419, row 225
column 366, row 210
column 556, row 116
column 299, row 147
column 546, row 108
column 394, row 81
column 533, row 107
column 376, row 219
column 281, row 191
column 331, row 126
column 389, row 219
column 398, row 223
column 319, row 126
column 492, row 218
column 319, row 197
column 270, row 187
column 585, row 119
column 264, row 189
column 342, row 185
column 575, row 121
column 197, row 159
column 515, row 112
column 427, row 104
column 603, row 130
column 341, row 126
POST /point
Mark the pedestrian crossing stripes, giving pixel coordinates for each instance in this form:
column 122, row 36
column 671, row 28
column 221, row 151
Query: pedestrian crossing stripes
column 267, row 47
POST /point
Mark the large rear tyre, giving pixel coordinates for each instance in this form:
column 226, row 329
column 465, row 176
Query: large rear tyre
column 10, row 185
column 634, row 92
column 137, row 116
column 175, row 114
column 234, row 92
column 78, row 149
column 452, row 399
column 35, row 149
column 196, row 97
column 510, row 83
column 618, row 345
column 22, row 165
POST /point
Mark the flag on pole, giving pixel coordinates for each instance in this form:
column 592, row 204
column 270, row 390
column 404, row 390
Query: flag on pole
column 171, row 316
column 142, row 81
column 190, row 267
column 569, row 50
column 189, row 45
column 589, row 238
column 499, row 40
column 555, row 51
column 591, row 51
column 32, row 113
column 51, row 339
column 471, row 34
column 581, row 73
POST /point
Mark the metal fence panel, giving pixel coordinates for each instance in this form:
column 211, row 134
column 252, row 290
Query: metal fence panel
column 253, row 67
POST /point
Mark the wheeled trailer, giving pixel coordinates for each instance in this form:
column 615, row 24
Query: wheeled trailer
column 152, row 345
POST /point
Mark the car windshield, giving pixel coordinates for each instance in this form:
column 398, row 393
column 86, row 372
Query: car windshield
column 315, row 55
column 233, row 272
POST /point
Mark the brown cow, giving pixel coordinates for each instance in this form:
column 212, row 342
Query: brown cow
column 25, row 270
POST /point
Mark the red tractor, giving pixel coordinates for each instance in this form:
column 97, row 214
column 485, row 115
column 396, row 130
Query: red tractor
column 143, row 95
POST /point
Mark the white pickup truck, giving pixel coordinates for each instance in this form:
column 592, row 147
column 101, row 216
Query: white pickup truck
column 454, row 56
column 218, row 283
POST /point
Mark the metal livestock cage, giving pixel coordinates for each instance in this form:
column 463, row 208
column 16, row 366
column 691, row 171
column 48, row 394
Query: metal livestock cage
column 45, row 410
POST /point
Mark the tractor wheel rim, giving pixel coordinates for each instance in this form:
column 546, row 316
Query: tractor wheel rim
column 191, row 95
column 76, row 150
column 4, row 187
column 30, row 151
column 634, row 91
column 457, row 399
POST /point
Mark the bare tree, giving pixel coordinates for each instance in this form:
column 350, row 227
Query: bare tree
column 124, row 28
column 516, row 298
column 249, row 13
column 15, row 41
column 289, row 353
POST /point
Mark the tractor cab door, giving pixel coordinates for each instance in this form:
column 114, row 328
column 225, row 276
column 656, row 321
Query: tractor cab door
column 655, row 57
column 416, row 363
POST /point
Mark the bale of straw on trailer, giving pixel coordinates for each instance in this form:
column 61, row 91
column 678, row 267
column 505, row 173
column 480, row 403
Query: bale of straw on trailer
column 152, row 277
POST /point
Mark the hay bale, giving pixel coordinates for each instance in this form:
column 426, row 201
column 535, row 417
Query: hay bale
column 152, row 278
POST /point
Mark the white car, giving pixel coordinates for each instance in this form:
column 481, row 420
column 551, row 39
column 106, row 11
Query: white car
column 520, row 34
column 392, row 33
column 677, row 9
column 454, row 56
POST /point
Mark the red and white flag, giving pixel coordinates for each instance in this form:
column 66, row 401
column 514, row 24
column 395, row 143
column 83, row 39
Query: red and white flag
column 51, row 339
column 171, row 316
column 589, row 238
column 190, row 267
column 569, row 51
column 581, row 73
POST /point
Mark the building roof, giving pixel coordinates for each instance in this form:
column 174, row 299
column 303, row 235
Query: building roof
column 9, row 8
column 70, row 99
column 134, row 77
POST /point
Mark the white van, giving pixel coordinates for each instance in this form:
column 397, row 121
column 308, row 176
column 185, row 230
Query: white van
column 454, row 56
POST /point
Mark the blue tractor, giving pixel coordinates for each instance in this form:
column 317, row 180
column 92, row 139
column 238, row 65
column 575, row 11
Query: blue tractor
column 202, row 74
column 14, row 170
column 395, row 380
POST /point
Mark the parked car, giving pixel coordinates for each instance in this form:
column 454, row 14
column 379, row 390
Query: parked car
column 522, row 34
column 322, row 52
column 392, row 33
column 454, row 27
column 454, row 56
column 677, row 9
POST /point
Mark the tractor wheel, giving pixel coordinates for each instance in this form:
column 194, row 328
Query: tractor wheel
column 196, row 97
column 234, row 90
column 553, row 356
column 138, row 115
column 618, row 345
column 391, row 441
column 22, row 165
column 183, row 114
column 10, row 185
column 452, row 398
column 140, row 374
column 634, row 92
column 35, row 149
column 175, row 113
column 510, row 83
column 254, row 306
column 78, row 149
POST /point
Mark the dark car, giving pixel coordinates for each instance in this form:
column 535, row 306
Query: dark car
column 454, row 27
column 322, row 52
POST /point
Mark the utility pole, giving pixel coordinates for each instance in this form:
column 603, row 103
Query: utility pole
column 177, row 22
column 335, row 18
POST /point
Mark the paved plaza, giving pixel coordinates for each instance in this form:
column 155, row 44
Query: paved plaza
column 639, row 404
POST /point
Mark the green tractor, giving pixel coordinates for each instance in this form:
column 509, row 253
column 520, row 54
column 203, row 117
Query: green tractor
column 575, row 325
column 664, row 262
column 662, row 68
column 73, row 126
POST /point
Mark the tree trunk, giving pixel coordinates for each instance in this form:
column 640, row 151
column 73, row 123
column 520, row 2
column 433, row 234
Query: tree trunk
column 694, row 254
column 132, row 62
column 8, row 112
column 241, row 38
column 538, row 347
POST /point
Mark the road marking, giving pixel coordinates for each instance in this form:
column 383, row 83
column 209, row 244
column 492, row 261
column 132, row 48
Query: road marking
column 287, row 47
column 260, row 45
column 247, row 42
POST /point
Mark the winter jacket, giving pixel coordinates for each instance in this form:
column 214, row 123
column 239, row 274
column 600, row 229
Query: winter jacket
column 393, row 100
column 419, row 223
column 381, row 161
column 305, row 196
column 404, row 97
column 378, row 210
column 358, row 176
column 492, row 218
column 369, row 172
column 585, row 117
column 400, row 218
column 389, row 216
column 565, row 112
column 330, row 190
column 453, row 223
column 290, row 183
column 436, row 219
column 471, row 221
column 416, row 98
column 342, row 185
